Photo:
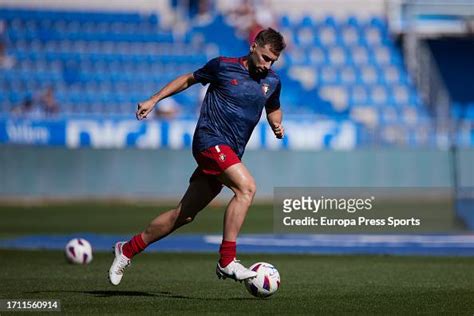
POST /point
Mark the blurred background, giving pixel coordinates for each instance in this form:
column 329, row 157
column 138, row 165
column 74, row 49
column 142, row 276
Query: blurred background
column 375, row 94
column 378, row 100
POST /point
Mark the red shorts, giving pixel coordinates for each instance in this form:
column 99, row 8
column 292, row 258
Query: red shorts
column 215, row 160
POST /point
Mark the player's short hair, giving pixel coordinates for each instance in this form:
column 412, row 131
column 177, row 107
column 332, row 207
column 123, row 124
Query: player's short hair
column 272, row 37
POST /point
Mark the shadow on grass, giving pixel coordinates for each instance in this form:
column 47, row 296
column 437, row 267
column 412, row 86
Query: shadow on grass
column 106, row 293
column 122, row 293
column 163, row 294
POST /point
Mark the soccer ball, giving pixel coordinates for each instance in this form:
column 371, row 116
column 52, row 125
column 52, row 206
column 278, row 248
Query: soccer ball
column 79, row 251
column 266, row 282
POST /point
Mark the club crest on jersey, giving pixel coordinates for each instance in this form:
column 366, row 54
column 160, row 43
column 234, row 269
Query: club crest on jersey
column 265, row 88
column 222, row 157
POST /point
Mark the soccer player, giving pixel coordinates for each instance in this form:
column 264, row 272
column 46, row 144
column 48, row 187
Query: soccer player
column 239, row 89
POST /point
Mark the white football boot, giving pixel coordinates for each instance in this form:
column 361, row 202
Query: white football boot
column 118, row 266
column 235, row 271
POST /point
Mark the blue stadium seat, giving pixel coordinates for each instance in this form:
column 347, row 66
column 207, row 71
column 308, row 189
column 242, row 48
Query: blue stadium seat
column 306, row 21
column 285, row 22
column 90, row 56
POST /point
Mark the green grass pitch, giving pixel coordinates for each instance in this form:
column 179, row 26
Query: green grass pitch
column 186, row 284
column 181, row 284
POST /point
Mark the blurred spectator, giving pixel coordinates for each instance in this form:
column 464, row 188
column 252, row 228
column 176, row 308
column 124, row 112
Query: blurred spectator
column 241, row 16
column 6, row 62
column 263, row 18
column 200, row 10
column 38, row 106
column 250, row 17
column 27, row 109
column 254, row 29
column 264, row 15
column 48, row 102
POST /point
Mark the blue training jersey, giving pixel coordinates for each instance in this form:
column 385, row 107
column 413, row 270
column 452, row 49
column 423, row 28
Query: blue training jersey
column 233, row 103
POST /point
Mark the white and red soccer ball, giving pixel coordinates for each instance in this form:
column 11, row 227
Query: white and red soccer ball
column 266, row 282
column 78, row 251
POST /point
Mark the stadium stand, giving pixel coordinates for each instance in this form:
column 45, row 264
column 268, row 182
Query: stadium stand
column 354, row 66
column 103, row 63
column 97, row 62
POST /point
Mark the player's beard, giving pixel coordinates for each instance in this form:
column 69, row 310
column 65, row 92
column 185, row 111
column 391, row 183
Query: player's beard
column 261, row 72
column 255, row 71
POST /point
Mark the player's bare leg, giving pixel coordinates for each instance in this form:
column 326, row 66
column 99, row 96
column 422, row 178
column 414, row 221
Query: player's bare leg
column 199, row 194
column 201, row 191
column 240, row 181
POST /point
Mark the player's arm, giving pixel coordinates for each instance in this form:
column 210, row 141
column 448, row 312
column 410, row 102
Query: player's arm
column 177, row 85
column 274, row 117
column 274, row 114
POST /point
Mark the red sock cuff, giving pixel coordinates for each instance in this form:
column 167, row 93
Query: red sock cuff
column 140, row 242
column 228, row 244
column 134, row 246
column 137, row 244
column 227, row 252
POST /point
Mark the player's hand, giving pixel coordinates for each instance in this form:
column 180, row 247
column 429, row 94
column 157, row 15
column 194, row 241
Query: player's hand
column 278, row 130
column 144, row 108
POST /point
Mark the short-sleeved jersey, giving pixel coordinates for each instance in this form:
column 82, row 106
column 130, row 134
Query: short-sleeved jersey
column 233, row 103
